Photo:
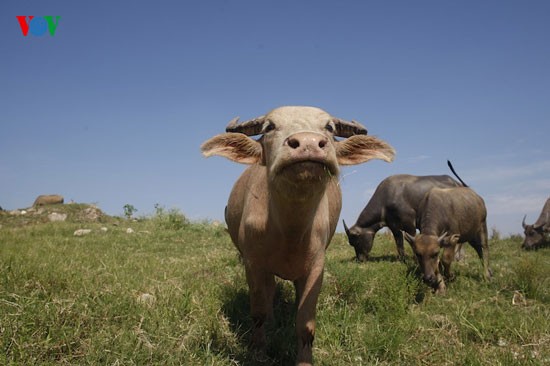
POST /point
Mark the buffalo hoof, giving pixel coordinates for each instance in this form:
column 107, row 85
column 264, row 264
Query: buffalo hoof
column 361, row 258
column 260, row 356
column 441, row 289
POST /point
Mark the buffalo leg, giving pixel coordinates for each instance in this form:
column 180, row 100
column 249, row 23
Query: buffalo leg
column 441, row 287
column 485, row 246
column 459, row 252
column 481, row 245
column 398, row 236
column 307, row 293
column 262, row 290
column 447, row 260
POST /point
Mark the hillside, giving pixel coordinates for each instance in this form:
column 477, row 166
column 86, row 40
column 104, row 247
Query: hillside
column 71, row 212
column 173, row 292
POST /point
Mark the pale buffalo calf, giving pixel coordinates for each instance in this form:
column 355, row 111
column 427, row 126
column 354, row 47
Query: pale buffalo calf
column 283, row 210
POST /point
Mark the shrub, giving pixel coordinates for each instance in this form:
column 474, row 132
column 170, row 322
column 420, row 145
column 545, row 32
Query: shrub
column 129, row 210
column 171, row 219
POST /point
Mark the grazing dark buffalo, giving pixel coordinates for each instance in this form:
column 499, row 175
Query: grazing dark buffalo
column 283, row 210
column 395, row 204
column 449, row 216
column 535, row 234
column 48, row 199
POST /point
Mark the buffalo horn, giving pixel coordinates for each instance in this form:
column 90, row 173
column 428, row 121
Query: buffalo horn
column 348, row 129
column 249, row 128
column 408, row 237
column 523, row 222
column 346, row 227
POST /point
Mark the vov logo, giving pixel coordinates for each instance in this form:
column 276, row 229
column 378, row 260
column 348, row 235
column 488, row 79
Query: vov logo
column 38, row 25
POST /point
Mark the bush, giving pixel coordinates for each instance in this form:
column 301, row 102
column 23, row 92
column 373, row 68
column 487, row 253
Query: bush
column 129, row 210
column 171, row 219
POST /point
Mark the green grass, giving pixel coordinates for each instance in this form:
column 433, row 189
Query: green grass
column 174, row 293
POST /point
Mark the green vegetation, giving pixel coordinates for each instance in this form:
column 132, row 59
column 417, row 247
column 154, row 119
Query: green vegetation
column 129, row 210
column 171, row 219
column 174, row 293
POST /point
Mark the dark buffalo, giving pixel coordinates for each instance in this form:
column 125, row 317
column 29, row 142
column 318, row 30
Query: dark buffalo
column 535, row 234
column 395, row 204
column 449, row 216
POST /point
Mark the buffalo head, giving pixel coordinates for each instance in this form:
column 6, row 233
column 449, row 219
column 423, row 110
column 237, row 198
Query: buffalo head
column 361, row 239
column 427, row 249
column 534, row 235
column 298, row 145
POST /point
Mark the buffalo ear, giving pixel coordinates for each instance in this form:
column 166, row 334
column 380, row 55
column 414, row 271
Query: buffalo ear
column 448, row 241
column 234, row 146
column 362, row 148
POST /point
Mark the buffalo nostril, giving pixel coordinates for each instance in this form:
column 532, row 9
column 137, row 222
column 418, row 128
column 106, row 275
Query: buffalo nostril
column 322, row 144
column 293, row 143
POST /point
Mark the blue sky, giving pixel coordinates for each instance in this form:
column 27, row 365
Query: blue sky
column 113, row 108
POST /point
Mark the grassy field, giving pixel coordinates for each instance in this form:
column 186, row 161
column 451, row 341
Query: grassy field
column 174, row 293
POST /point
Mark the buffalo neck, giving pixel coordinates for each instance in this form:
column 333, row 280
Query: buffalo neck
column 372, row 216
column 430, row 224
column 294, row 208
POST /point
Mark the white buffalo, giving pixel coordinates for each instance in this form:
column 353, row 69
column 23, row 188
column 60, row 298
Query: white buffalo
column 283, row 210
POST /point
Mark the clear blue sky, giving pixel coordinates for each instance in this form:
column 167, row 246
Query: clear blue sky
column 113, row 108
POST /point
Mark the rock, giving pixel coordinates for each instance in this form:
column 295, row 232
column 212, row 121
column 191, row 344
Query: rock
column 18, row 212
column 82, row 232
column 54, row 216
column 92, row 213
column 129, row 231
column 104, row 229
column 48, row 199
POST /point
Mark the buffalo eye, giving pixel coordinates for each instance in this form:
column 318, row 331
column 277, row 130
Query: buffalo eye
column 329, row 127
column 270, row 126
